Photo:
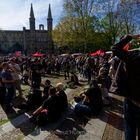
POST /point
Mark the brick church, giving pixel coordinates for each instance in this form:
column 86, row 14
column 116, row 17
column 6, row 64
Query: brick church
column 32, row 39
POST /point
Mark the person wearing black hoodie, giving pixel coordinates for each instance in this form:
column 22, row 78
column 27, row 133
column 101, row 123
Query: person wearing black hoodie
column 62, row 97
column 130, row 88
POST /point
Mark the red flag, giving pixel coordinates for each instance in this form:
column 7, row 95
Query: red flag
column 37, row 54
column 126, row 47
column 99, row 52
column 18, row 53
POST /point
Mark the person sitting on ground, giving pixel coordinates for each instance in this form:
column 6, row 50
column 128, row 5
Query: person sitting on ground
column 46, row 89
column 62, row 97
column 49, row 111
column 91, row 101
column 73, row 80
column 34, row 100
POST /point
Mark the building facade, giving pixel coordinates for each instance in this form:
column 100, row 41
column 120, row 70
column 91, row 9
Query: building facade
column 31, row 40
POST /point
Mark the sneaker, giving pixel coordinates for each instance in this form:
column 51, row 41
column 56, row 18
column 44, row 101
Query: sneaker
column 27, row 115
column 30, row 117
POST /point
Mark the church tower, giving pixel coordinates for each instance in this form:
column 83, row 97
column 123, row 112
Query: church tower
column 32, row 19
column 49, row 19
column 50, row 26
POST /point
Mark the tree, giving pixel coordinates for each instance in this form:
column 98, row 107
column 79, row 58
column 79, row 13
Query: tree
column 128, row 13
column 88, row 25
column 77, row 25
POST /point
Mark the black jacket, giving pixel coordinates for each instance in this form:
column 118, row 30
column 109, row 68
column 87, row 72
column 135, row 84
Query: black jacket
column 132, row 67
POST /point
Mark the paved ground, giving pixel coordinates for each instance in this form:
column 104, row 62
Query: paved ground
column 107, row 126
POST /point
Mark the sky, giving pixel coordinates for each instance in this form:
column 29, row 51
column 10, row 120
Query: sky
column 14, row 14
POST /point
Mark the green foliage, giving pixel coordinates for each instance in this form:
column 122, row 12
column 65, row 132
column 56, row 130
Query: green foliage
column 81, row 30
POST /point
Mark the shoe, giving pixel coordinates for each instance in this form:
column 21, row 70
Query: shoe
column 31, row 118
column 26, row 114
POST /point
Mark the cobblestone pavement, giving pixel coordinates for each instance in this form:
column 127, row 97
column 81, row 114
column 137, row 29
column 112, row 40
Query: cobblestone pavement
column 12, row 131
column 107, row 126
column 115, row 125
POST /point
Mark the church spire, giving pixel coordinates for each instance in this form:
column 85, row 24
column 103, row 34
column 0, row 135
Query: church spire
column 49, row 24
column 32, row 19
column 31, row 12
column 49, row 19
column 49, row 13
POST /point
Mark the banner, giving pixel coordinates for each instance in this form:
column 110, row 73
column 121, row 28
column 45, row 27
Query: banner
column 18, row 53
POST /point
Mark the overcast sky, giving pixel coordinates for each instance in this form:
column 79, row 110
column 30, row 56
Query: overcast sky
column 14, row 14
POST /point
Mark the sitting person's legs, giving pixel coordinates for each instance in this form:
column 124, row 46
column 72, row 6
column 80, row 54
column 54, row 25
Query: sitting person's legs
column 81, row 109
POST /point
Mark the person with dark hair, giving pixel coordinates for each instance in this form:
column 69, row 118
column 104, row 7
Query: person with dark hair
column 94, row 96
column 74, row 78
column 34, row 100
column 46, row 89
column 8, row 81
column 35, row 73
column 92, row 103
column 66, row 67
column 49, row 111
column 26, row 74
column 129, row 87
column 2, row 87
column 16, row 71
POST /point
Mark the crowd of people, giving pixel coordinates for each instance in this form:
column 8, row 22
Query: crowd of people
column 49, row 103
column 29, row 71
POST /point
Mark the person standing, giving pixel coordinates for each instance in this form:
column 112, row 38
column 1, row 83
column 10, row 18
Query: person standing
column 130, row 88
column 8, row 81
column 16, row 71
column 2, row 87
column 35, row 73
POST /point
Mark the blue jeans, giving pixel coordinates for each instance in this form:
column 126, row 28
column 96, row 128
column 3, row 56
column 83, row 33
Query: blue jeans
column 132, row 120
column 9, row 97
column 82, row 109
column 36, row 81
